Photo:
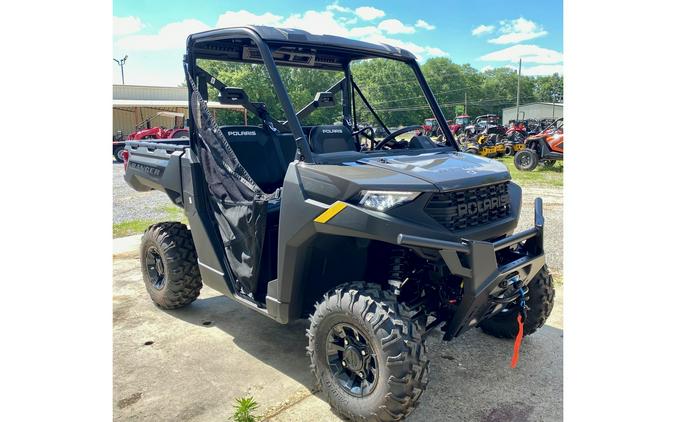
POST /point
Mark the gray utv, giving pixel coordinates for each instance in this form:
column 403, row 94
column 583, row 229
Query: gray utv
column 376, row 244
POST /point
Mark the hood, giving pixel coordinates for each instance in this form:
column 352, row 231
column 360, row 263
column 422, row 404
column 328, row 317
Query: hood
column 447, row 171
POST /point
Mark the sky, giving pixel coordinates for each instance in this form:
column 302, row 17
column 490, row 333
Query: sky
column 487, row 34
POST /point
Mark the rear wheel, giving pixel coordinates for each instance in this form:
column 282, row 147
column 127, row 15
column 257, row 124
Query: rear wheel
column 540, row 299
column 548, row 163
column 180, row 134
column 508, row 150
column 169, row 265
column 118, row 154
column 367, row 353
column 526, row 160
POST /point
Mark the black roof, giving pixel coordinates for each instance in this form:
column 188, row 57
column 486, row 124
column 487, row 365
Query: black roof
column 297, row 37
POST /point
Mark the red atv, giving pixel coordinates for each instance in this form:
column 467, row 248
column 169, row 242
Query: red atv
column 431, row 128
column 159, row 132
column 145, row 131
column 545, row 147
column 460, row 123
column 515, row 137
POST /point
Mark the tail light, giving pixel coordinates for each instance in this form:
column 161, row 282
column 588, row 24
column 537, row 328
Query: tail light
column 125, row 157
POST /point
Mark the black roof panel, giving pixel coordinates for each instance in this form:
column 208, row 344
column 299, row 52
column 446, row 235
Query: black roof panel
column 291, row 36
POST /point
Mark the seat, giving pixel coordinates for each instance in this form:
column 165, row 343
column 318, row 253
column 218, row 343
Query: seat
column 325, row 139
column 288, row 148
column 255, row 149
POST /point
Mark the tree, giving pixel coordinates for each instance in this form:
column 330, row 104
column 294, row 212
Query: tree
column 391, row 88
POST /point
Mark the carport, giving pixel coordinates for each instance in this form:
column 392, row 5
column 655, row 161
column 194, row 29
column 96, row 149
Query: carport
column 133, row 104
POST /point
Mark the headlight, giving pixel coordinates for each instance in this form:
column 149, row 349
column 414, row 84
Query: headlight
column 384, row 200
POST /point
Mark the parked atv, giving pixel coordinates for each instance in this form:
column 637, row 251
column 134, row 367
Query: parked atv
column 145, row 131
column 515, row 138
column 488, row 143
column 545, row 148
column 482, row 122
column 460, row 123
column 377, row 246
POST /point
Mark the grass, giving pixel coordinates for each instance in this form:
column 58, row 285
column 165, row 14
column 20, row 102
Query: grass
column 548, row 177
column 131, row 227
column 127, row 228
column 243, row 410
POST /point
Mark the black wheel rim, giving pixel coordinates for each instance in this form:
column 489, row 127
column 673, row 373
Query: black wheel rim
column 155, row 267
column 525, row 160
column 351, row 360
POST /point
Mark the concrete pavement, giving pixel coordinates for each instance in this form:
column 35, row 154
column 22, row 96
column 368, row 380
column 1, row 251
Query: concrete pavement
column 190, row 364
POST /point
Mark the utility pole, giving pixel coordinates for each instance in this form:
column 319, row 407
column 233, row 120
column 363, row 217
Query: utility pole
column 466, row 104
column 121, row 63
column 520, row 64
column 554, row 98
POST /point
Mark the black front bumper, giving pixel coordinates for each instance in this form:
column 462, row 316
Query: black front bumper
column 482, row 274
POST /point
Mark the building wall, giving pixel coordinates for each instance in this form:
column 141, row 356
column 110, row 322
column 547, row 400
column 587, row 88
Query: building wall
column 144, row 92
column 533, row 111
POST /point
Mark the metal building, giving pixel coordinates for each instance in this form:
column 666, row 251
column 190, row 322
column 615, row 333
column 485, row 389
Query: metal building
column 533, row 111
column 133, row 104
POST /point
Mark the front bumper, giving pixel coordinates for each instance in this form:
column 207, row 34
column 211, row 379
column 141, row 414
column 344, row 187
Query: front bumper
column 484, row 275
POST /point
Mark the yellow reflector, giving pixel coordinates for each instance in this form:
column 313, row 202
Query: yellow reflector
column 331, row 212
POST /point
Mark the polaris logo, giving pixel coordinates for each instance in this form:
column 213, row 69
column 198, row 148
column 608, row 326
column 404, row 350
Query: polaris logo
column 476, row 207
column 331, row 130
column 240, row 133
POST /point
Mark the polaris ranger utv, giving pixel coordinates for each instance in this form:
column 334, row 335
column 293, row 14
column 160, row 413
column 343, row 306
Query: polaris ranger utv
column 376, row 245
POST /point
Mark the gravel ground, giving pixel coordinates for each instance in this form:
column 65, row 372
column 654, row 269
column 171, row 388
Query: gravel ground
column 553, row 226
column 131, row 205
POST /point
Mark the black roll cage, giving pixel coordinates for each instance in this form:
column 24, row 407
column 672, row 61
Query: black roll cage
column 359, row 51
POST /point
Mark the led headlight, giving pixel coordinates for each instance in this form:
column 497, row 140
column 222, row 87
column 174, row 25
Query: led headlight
column 384, row 200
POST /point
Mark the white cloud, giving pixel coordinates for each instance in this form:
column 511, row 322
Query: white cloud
column 244, row 17
column 368, row 13
column 319, row 23
column 424, row 25
column 335, row 7
column 126, row 25
column 482, row 29
column 363, row 31
column 421, row 52
column 332, row 20
column 518, row 30
column 171, row 36
column 528, row 52
column 543, row 69
column 395, row 26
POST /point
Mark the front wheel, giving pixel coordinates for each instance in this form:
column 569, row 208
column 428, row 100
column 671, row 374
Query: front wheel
column 548, row 163
column 367, row 353
column 526, row 160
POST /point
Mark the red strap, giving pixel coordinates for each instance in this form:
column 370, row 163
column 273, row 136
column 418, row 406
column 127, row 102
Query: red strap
column 516, row 345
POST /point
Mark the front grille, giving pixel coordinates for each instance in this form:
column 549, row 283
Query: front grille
column 464, row 209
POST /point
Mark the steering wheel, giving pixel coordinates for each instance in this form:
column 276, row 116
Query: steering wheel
column 393, row 135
